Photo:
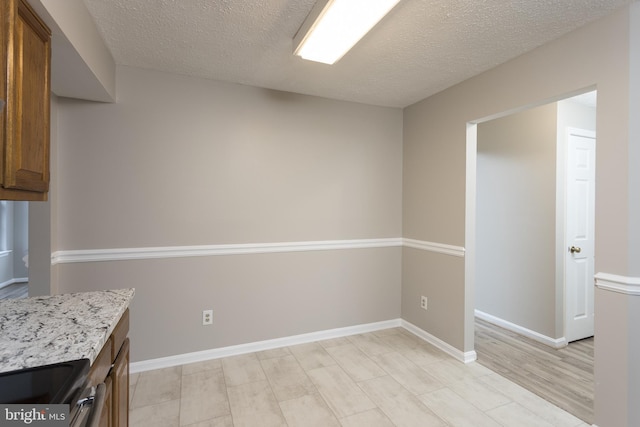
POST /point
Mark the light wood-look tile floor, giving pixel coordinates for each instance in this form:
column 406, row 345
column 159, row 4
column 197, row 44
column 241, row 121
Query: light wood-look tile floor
column 562, row 376
column 14, row 291
column 384, row 378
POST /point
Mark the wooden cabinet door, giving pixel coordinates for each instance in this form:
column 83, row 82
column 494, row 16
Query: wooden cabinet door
column 25, row 165
column 106, row 417
column 120, row 376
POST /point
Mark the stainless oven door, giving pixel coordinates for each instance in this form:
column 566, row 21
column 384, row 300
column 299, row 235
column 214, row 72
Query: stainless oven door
column 88, row 409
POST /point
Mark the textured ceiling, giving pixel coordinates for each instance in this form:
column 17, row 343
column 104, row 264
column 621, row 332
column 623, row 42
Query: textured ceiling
column 420, row 48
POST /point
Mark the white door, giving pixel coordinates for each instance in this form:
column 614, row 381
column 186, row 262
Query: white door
column 580, row 229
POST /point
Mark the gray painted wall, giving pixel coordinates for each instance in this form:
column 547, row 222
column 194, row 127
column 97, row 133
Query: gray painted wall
column 516, row 219
column 40, row 277
column 435, row 129
column 42, row 224
column 576, row 115
column 184, row 161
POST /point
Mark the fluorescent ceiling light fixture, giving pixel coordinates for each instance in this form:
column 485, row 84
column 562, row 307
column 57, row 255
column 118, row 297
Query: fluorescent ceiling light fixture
column 335, row 26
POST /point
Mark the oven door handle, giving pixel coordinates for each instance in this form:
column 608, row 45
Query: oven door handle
column 98, row 405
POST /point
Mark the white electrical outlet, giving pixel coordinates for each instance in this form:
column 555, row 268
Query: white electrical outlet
column 423, row 302
column 207, row 317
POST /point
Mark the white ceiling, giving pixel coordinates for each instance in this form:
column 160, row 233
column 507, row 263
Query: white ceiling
column 420, row 48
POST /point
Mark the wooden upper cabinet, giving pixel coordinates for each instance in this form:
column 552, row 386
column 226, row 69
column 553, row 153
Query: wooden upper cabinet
column 26, row 68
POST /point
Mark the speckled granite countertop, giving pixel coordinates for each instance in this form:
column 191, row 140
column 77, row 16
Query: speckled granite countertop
column 59, row 328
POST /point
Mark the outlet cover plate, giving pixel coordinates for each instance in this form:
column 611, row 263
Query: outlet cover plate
column 207, row 317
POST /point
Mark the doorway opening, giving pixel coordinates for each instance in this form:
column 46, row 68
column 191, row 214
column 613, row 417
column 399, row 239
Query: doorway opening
column 519, row 214
column 14, row 249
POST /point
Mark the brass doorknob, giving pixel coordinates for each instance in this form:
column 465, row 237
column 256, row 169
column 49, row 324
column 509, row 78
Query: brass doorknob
column 575, row 250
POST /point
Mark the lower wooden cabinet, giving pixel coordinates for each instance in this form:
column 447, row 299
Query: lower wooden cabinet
column 106, row 418
column 120, row 383
column 111, row 367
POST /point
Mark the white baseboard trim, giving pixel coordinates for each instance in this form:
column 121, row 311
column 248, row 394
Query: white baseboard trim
column 234, row 350
column 615, row 283
column 465, row 357
column 14, row 280
column 551, row 342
